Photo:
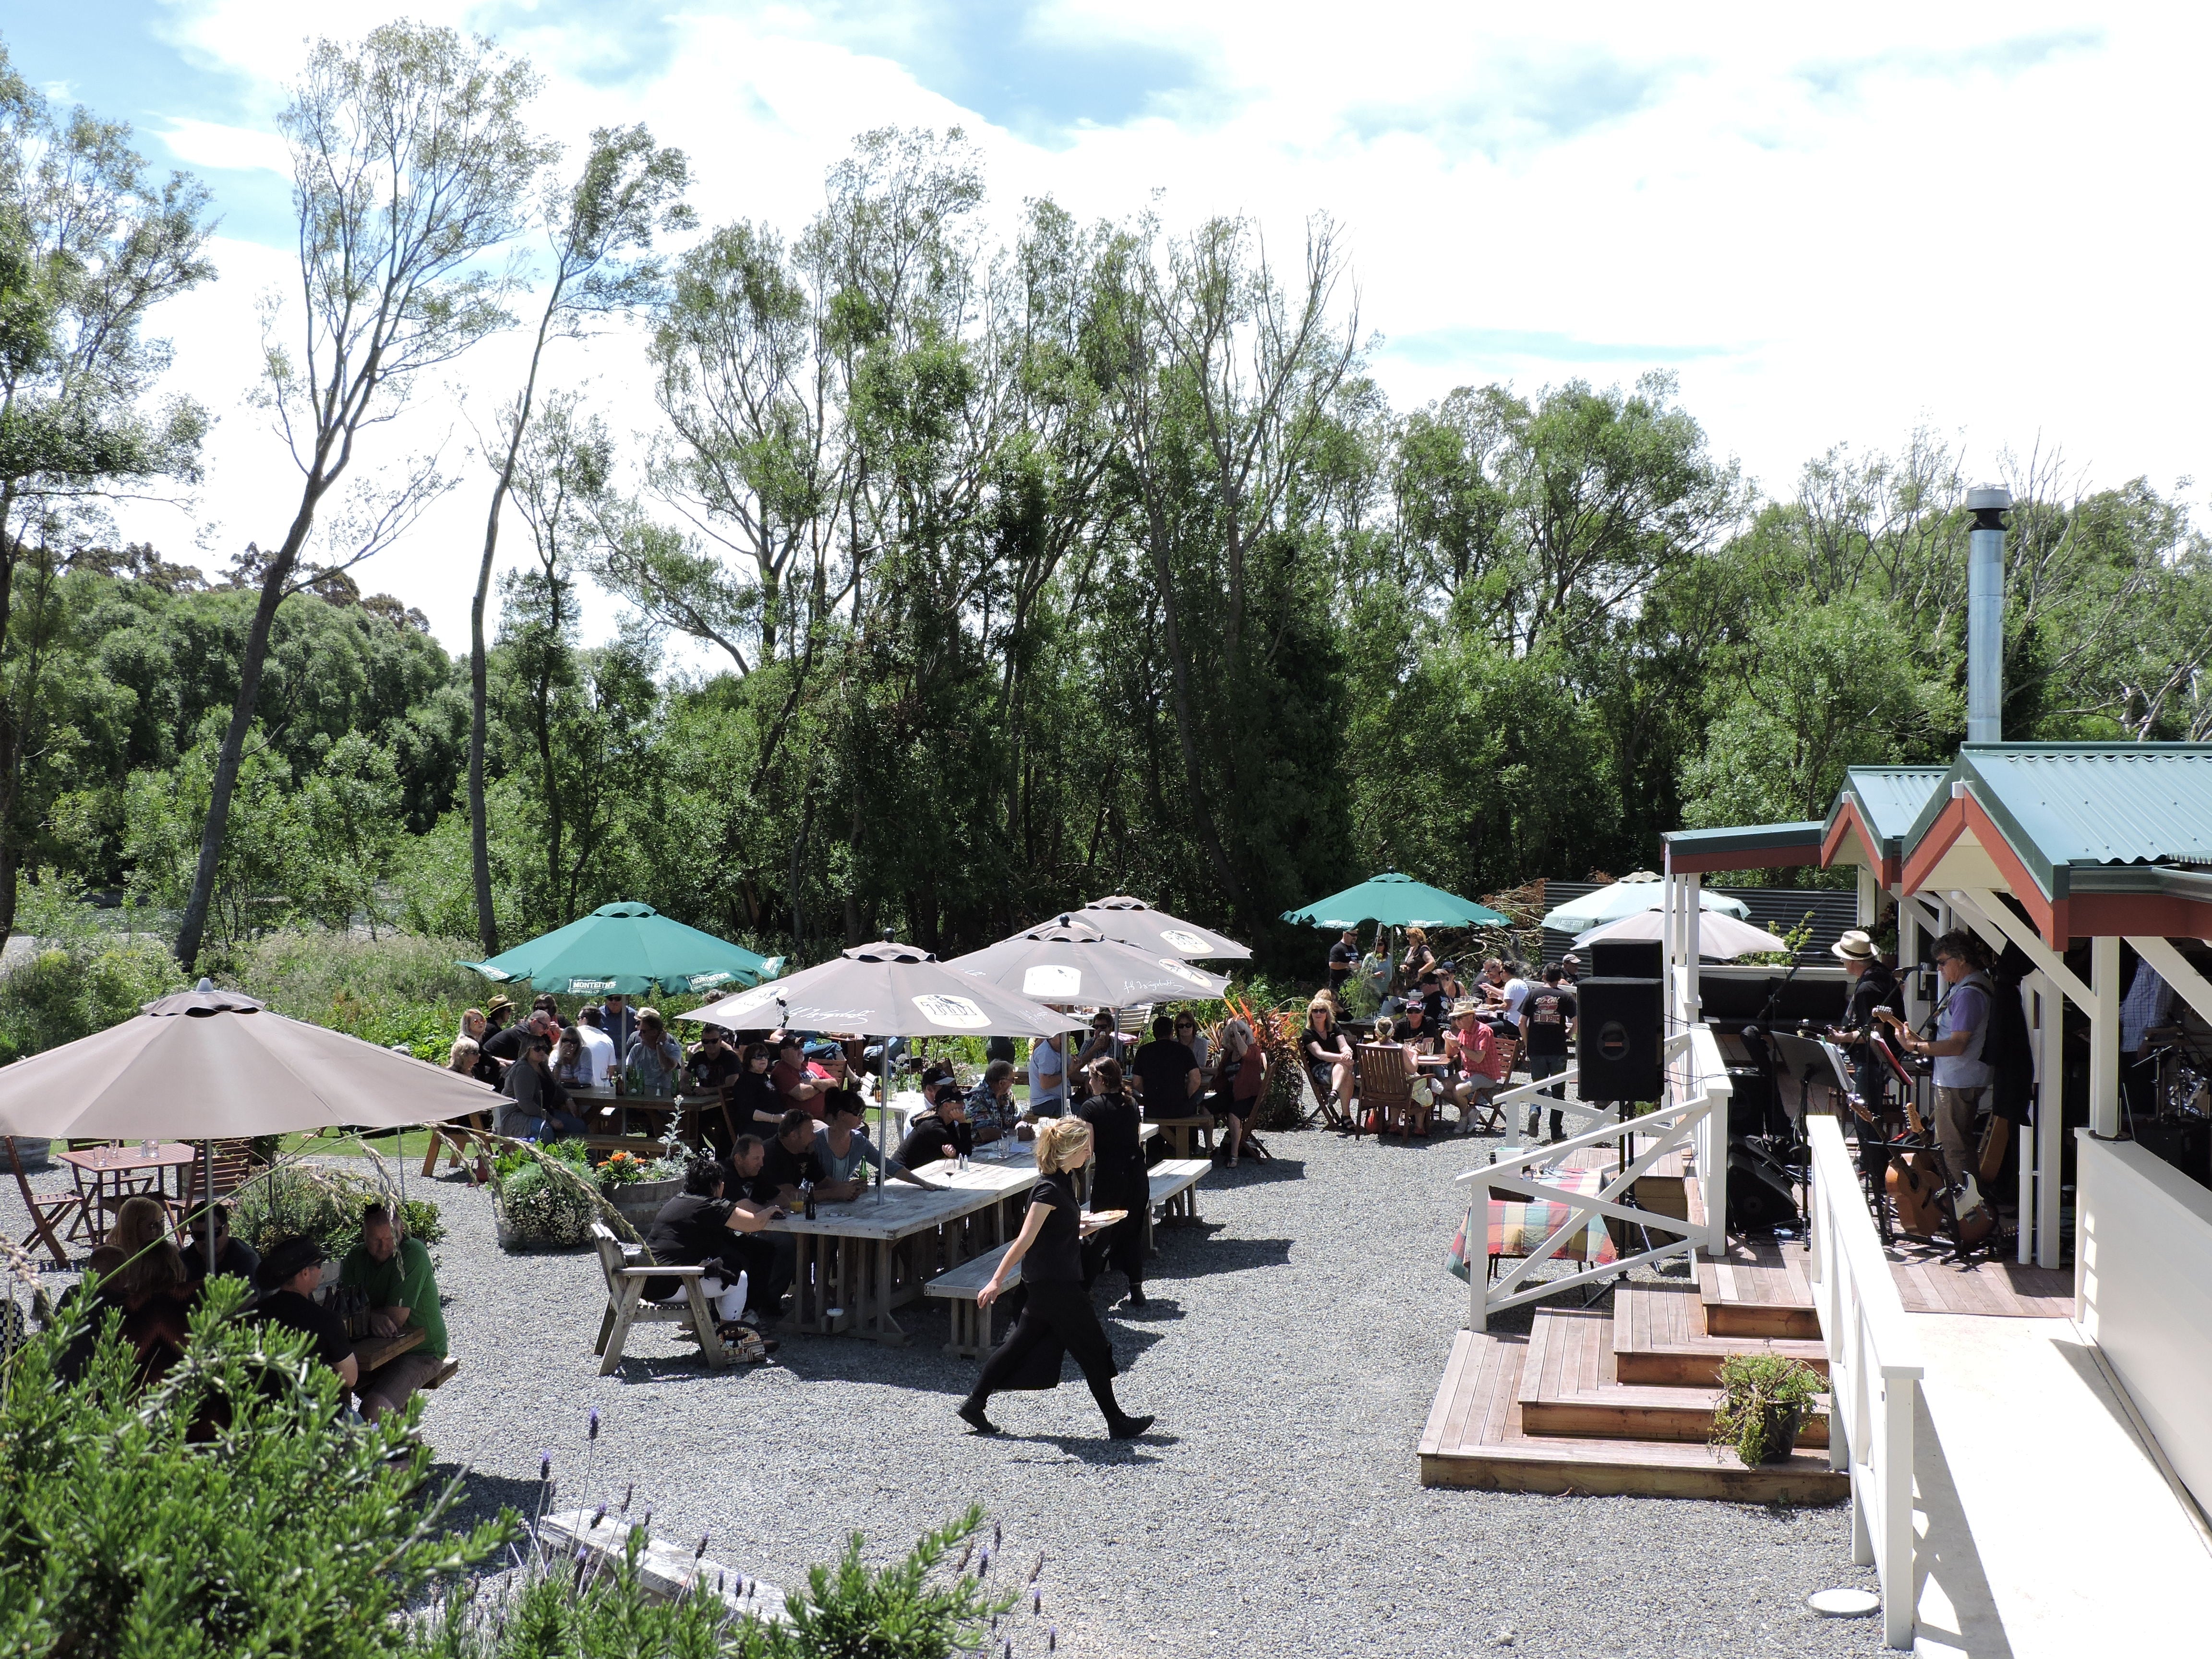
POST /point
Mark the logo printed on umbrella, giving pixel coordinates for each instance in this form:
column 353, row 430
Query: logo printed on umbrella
column 589, row 988
column 1187, row 941
column 1184, row 971
column 759, row 999
column 1053, row 981
column 956, row 1012
column 704, row 981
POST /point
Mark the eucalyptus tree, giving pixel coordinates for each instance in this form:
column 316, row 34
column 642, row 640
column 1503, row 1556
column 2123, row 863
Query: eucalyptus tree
column 411, row 164
column 91, row 242
column 601, row 227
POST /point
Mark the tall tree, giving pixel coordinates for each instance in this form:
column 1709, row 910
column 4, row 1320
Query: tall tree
column 627, row 190
column 90, row 243
column 411, row 163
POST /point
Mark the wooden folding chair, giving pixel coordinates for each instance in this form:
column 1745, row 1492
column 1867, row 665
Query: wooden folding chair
column 454, row 1138
column 626, row 1304
column 46, row 1208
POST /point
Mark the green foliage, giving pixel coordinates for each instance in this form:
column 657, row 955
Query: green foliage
column 895, row 1612
column 547, row 1201
column 1764, row 1399
column 397, row 988
column 83, row 977
column 130, row 1528
column 307, row 1200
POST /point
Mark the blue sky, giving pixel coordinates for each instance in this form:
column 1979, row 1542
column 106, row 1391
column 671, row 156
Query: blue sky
column 1832, row 228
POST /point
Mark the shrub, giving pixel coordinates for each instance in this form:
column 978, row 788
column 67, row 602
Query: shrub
column 544, row 1206
column 131, row 1528
column 923, row 1605
column 325, row 1205
column 400, row 988
column 84, row 977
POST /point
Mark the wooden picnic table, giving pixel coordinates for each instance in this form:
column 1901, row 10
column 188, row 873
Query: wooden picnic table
column 1182, row 1132
column 373, row 1351
column 848, row 1262
column 106, row 1176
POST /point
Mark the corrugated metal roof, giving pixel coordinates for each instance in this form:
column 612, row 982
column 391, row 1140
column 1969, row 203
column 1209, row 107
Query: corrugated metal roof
column 2072, row 810
column 1891, row 797
column 1748, row 838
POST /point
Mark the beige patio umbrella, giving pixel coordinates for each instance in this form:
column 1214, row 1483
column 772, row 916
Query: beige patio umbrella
column 209, row 1064
column 1719, row 934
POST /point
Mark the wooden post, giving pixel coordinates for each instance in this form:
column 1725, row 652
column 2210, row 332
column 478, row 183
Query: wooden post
column 2104, row 1036
column 2050, row 1123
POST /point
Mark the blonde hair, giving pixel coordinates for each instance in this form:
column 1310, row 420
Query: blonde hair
column 464, row 1055
column 1326, row 1003
column 151, row 1261
column 1059, row 1141
column 1417, row 936
column 1238, row 1035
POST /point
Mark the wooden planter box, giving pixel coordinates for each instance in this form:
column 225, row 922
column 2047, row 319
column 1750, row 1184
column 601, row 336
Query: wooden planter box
column 641, row 1200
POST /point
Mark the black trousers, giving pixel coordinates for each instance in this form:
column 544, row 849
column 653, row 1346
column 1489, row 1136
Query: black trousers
column 1056, row 1313
column 1871, row 1080
column 1120, row 1247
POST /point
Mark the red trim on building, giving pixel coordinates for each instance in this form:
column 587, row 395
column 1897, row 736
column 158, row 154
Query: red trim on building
column 1960, row 814
column 1850, row 817
column 2157, row 915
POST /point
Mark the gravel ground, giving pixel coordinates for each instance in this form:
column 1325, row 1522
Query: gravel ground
column 1292, row 1346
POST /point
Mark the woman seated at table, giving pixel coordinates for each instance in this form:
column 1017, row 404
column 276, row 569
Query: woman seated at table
column 754, row 1107
column 655, row 1058
column 1187, row 1034
column 1244, row 1072
column 475, row 1029
column 1474, row 1046
column 571, row 1064
column 844, row 1149
column 943, row 1133
column 1328, row 1053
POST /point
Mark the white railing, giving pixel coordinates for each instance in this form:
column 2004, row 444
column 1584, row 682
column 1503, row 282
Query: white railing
column 1874, row 1374
column 1698, row 1090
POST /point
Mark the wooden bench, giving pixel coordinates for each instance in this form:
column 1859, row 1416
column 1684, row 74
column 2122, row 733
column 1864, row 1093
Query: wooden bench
column 971, row 1325
column 1175, row 1193
column 626, row 1305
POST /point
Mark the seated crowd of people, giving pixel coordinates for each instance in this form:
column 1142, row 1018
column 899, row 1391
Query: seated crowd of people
column 141, row 1273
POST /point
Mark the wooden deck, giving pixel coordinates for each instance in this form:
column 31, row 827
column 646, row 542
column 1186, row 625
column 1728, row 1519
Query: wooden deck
column 1931, row 1284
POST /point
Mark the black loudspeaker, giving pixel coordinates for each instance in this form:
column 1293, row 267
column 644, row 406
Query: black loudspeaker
column 1617, row 1054
column 1751, row 1104
column 1627, row 959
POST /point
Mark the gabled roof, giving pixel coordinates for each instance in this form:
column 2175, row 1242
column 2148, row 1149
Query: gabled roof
column 1877, row 804
column 2126, row 826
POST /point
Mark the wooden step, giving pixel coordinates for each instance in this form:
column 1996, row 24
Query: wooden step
column 1658, row 1338
column 1475, row 1437
column 1759, row 1289
column 1568, row 1387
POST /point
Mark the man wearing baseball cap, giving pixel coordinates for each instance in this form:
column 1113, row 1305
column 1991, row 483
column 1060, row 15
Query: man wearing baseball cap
column 289, row 1274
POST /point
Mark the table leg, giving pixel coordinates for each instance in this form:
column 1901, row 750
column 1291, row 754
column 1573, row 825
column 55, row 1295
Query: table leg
column 887, row 1330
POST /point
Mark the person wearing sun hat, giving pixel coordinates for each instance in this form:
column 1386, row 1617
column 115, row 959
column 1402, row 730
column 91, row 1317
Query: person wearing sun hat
column 1873, row 986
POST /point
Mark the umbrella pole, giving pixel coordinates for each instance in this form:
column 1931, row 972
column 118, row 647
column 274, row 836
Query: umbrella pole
column 207, row 1192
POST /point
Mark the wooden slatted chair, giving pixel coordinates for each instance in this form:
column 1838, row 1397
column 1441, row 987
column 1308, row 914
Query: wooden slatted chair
column 626, row 1306
column 454, row 1137
column 47, row 1210
column 1386, row 1088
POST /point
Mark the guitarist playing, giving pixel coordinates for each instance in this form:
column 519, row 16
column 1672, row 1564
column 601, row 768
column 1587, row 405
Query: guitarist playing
column 1962, row 1075
column 1874, row 989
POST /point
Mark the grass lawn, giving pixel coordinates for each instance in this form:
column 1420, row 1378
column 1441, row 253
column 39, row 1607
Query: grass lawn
column 411, row 1144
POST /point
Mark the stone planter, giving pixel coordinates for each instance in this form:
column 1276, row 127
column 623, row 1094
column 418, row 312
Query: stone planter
column 641, row 1200
column 525, row 1240
column 36, row 1154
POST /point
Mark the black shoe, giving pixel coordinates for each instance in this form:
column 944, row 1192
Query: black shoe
column 1136, row 1296
column 1127, row 1429
column 971, row 1413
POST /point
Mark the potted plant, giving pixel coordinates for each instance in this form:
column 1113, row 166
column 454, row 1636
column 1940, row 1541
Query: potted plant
column 1764, row 1401
column 638, row 1186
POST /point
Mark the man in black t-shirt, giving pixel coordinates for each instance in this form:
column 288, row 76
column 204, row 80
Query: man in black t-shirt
column 289, row 1276
column 1167, row 1078
column 942, row 1133
column 699, row 1227
column 1548, row 1028
column 1343, row 957
column 1437, row 1005
column 792, row 1162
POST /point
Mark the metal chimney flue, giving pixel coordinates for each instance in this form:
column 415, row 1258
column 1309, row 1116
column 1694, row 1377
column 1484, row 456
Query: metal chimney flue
column 1985, row 614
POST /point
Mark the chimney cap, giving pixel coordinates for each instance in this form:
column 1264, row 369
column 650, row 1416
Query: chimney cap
column 1989, row 498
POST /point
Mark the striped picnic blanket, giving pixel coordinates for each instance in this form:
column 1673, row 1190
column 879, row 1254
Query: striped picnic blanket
column 1518, row 1226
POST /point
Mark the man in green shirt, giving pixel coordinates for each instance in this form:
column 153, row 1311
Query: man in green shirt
column 395, row 1274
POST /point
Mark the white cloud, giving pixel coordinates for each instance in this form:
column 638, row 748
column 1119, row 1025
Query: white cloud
column 210, row 144
column 1981, row 215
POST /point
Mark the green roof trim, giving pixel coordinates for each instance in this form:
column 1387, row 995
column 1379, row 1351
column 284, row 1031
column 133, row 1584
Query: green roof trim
column 1747, row 837
column 2092, row 816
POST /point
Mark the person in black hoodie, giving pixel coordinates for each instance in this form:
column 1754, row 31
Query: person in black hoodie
column 1118, row 1181
column 1873, row 986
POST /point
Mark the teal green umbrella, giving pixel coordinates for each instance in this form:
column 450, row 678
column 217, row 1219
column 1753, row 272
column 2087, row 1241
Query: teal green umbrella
column 632, row 949
column 1396, row 901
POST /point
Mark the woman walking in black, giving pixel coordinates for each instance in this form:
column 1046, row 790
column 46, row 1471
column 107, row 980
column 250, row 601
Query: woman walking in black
column 1057, row 1316
column 1118, row 1181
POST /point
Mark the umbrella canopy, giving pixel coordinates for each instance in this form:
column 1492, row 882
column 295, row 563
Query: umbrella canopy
column 1640, row 889
column 213, row 1065
column 884, row 989
column 1132, row 922
column 1068, row 961
column 1719, row 934
column 629, row 948
column 1396, row 901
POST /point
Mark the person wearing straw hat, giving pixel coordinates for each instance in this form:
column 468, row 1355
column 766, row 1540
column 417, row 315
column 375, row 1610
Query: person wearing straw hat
column 1873, row 986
